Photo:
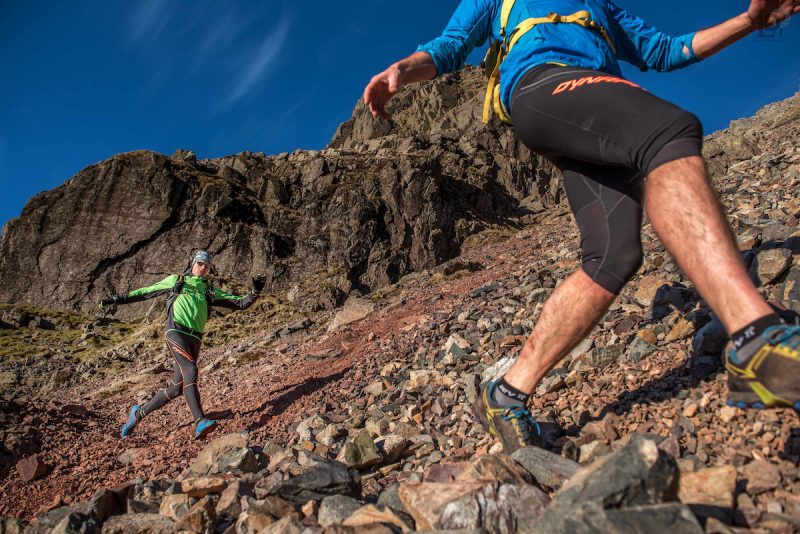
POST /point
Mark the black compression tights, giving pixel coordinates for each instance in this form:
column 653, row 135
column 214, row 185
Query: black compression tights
column 184, row 349
column 606, row 135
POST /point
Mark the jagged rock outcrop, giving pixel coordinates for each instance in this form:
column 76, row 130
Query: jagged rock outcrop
column 752, row 136
column 384, row 200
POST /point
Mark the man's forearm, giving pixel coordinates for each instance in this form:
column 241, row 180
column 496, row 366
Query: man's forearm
column 417, row 67
column 711, row 40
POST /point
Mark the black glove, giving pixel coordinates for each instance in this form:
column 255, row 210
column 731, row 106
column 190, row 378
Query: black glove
column 257, row 284
column 108, row 304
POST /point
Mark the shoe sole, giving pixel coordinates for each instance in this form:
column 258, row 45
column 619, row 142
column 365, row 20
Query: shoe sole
column 206, row 431
column 759, row 398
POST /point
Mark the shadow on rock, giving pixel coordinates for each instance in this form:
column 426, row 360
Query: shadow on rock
column 291, row 394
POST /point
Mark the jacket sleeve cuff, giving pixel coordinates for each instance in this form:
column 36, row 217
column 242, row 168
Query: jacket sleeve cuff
column 680, row 59
column 437, row 61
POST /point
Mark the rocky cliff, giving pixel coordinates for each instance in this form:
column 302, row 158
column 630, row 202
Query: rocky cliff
column 384, row 199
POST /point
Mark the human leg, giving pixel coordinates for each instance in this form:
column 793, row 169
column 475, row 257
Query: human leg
column 763, row 362
column 161, row 397
column 606, row 202
column 610, row 132
column 687, row 217
column 170, row 391
column 590, row 119
column 185, row 350
column 567, row 317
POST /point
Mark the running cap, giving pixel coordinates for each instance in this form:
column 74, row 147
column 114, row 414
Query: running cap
column 202, row 256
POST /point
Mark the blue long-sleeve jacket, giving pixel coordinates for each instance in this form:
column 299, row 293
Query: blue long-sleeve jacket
column 635, row 41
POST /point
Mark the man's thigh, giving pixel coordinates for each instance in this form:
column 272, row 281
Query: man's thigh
column 593, row 117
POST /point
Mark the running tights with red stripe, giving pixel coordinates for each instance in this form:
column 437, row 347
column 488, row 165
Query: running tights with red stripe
column 184, row 349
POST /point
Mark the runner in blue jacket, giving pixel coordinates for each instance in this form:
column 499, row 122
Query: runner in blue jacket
column 561, row 87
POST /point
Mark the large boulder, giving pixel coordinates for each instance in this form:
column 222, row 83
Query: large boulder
column 638, row 474
column 547, row 468
column 474, row 504
column 622, row 492
column 592, row 518
column 321, row 479
column 139, row 524
column 222, row 454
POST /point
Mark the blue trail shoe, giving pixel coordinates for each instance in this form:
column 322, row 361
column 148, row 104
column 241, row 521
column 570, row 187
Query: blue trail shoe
column 133, row 420
column 203, row 427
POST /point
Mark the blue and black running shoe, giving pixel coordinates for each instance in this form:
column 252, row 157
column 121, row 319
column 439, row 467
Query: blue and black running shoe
column 133, row 420
column 771, row 376
column 203, row 427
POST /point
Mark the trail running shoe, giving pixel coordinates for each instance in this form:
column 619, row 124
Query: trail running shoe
column 771, row 376
column 203, row 427
column 512, row 424
column 133, row 420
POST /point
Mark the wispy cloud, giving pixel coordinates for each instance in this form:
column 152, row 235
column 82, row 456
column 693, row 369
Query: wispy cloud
column 254, row 70
column 149, row 19
column 222, row 32
column 356, row 29
column 302, row 101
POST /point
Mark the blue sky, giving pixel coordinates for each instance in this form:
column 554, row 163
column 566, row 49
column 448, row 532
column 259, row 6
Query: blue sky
column 84, row 80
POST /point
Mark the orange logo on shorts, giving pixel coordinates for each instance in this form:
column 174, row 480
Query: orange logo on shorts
column 571, row 85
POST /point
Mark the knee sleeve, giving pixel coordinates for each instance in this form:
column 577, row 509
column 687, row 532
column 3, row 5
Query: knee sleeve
column 614, row 270
column 619, row 266
column 612, row 247
column 679, row 137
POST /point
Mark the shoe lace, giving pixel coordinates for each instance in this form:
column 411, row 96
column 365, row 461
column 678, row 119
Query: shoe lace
column 523, row 422
column 783, row 335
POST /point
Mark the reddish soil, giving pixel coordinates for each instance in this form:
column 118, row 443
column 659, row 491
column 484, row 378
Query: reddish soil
column 265, row 397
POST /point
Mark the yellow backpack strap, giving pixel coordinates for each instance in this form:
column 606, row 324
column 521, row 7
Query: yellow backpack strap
column 584, row 18
column 499, row 108
column 505, row 13
column 494, row 57
column 581, row 18
column 498, row 50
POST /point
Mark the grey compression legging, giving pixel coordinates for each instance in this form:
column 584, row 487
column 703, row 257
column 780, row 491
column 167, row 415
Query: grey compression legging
column 606, row 135
column 185, row 349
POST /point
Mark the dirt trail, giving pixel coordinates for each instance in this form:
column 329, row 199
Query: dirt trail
column 265, row 398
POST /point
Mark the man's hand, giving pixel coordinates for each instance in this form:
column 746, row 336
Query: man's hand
column 766, row 13
column 761, row 14
column 380, row 89
column 257, row 284
column 416, row 67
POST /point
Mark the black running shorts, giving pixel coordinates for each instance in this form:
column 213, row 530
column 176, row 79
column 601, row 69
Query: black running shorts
column 605, row 134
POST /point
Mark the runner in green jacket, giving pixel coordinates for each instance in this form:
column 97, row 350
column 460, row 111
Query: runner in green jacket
column 191, row 297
